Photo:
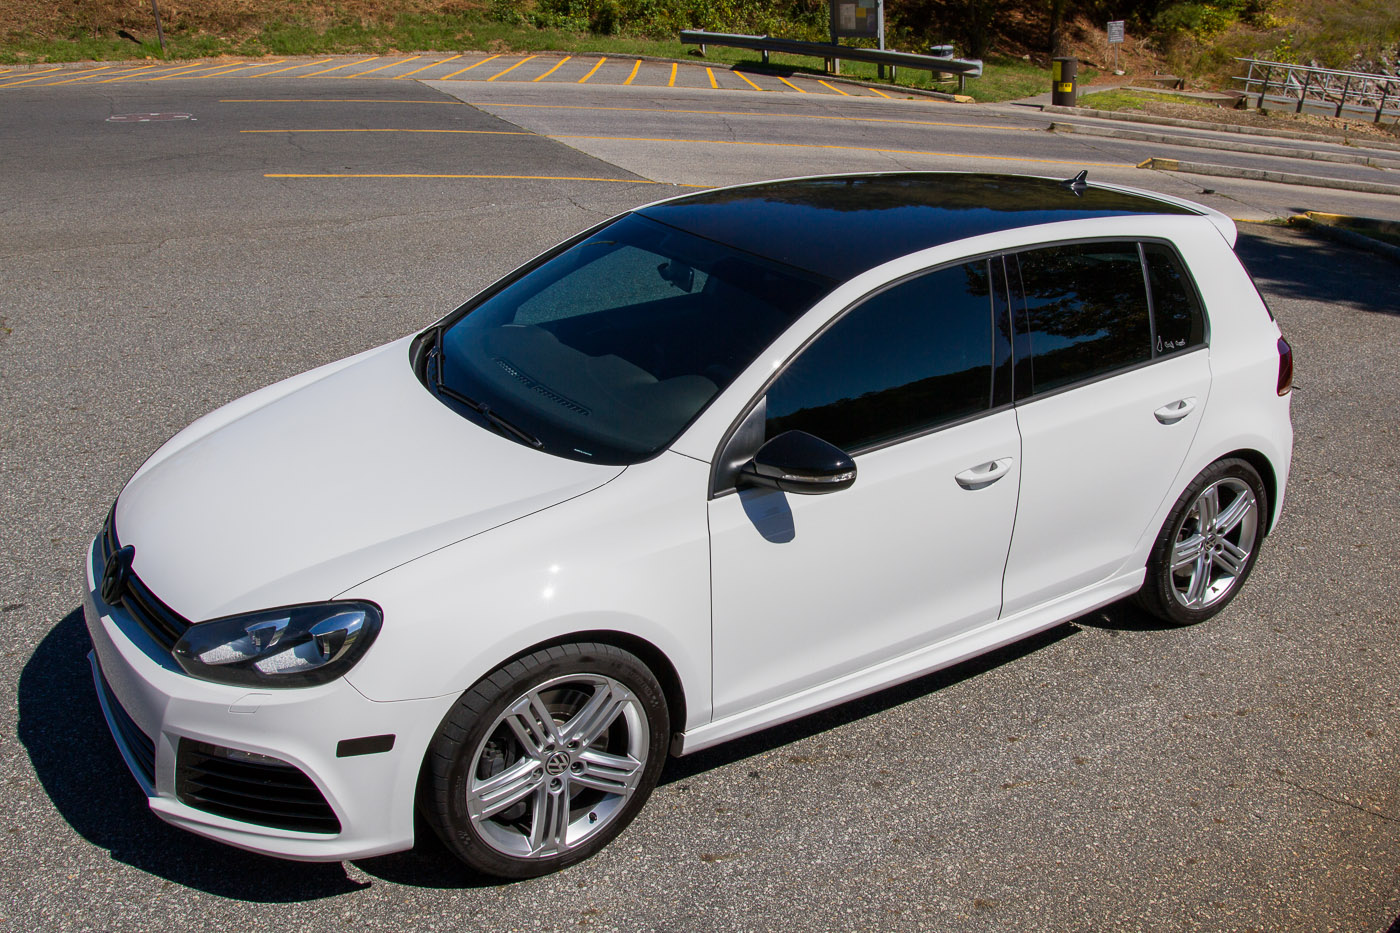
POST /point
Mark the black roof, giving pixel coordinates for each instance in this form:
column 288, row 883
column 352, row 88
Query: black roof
column 840, row 226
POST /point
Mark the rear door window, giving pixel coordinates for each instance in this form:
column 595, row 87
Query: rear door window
column 1085, row 312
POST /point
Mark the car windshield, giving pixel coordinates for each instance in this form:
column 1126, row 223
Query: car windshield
column 606, row 350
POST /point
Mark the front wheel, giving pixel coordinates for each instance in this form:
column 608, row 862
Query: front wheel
column 1208, row 545
column 543, row 762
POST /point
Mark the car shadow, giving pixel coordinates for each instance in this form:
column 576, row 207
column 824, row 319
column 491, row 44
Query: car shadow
column 775, row 737
column 78, row 766
column 1124, row 616
column 1294, row 264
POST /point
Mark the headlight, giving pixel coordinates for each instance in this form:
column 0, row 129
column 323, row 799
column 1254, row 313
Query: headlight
column 296, row 646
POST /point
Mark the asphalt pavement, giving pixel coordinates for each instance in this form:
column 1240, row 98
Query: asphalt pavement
column 1108, row 774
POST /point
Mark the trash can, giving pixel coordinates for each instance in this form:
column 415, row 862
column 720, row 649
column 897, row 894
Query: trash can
column 1062, row 89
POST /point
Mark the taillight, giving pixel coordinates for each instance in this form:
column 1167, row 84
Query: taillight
column 1285, row 367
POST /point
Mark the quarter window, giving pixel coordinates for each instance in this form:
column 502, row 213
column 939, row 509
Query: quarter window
column 1085, row 311
column 1176, row 311
column 909, row 359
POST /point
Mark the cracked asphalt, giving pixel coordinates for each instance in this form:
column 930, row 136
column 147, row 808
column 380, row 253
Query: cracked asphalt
column 1108, row 774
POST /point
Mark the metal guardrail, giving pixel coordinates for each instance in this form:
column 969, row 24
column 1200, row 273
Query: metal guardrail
column 963, row 68
column 1308, row 89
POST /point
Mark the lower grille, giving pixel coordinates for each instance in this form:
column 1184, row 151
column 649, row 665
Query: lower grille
column 250, row 788
column 142, row 749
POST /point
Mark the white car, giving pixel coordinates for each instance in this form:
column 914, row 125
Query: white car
column 502, row 568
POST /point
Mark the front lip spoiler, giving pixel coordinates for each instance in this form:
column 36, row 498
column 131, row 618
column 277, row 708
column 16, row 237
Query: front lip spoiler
column 128, row 753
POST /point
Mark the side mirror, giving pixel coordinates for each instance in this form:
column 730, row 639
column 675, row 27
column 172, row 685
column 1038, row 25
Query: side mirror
column 797, row 462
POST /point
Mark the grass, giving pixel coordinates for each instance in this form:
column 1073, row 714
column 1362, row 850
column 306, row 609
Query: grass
column 1134, row 100
column 473, row 30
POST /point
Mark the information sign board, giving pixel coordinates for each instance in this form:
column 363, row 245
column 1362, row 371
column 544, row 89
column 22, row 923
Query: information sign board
column 855, row 19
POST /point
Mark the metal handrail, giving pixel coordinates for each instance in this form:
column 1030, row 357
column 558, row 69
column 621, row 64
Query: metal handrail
column 1329, row 90
column 964, row 68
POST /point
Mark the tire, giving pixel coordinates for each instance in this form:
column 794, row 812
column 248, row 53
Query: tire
column 1208, row 545
column 547, row 759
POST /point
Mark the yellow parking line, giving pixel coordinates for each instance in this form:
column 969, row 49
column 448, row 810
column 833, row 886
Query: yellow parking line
column 371, row 130
column 585, row 78
column 293, row 68
column 363, row 61
column 881, row 93
column 178, row 74
column 220, row 74
column 713, row 83
column 751, row 113
column 489, row 58
column 615, row 181
column 32, row 77
column 555, row 68
column 388, row 64
column 512, row 67
column 791, row 85
column 925, row 152
column 140, row 71
column 746, row 80
column 85, row 75
column 333, row 100
column 672, row 82
column 427, row 66
column 636, row 66
column 834, row 88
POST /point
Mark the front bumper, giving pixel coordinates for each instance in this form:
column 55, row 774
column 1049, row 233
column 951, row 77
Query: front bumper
column 151, row 705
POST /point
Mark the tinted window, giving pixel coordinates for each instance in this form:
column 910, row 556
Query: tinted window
column 912, row 357
column 1086, row 311
column 1175, row 309
column 607, row 350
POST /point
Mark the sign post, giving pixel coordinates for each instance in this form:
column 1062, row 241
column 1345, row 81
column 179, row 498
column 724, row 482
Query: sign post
column 857, row 19
column 1115, row 39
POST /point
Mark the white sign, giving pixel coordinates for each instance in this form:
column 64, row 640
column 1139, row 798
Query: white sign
column 1115, row 30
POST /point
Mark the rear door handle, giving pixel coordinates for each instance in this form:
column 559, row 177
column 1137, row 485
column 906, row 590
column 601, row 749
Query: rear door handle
column 984, row 474
column 1175, row 411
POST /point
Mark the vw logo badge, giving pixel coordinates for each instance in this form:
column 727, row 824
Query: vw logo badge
column 556, row 764
column 115, row 575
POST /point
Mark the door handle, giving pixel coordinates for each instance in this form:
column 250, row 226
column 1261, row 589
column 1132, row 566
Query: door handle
column 984, row 474
column 1173, row 412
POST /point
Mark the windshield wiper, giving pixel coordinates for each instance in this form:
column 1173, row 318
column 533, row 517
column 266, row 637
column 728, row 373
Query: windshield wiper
column 481, row 408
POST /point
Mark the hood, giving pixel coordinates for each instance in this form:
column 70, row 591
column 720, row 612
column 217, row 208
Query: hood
column 302, row 490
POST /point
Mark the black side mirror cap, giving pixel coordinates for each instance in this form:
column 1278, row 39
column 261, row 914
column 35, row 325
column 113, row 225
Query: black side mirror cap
column 797, row 462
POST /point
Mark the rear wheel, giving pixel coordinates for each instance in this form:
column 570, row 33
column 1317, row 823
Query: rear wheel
column 1208, row 545
column 543, row 762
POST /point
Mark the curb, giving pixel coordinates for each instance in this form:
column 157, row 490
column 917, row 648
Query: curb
column 1328, row 231
column 1201, row 142
column 1220, row 127
column 1255, row 174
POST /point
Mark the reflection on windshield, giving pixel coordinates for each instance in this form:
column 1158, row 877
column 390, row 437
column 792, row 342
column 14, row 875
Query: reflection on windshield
column 608, row 350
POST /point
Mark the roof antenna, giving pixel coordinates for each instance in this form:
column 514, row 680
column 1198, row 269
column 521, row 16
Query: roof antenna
column 1078, row 183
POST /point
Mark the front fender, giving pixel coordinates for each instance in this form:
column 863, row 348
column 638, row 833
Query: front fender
column 631, row 556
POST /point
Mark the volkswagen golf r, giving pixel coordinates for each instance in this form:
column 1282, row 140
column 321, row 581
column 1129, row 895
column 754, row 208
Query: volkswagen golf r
column 711, row 465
